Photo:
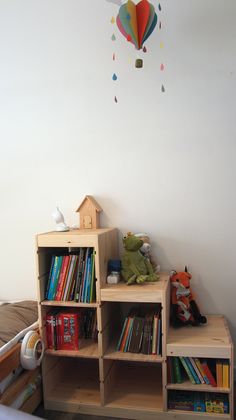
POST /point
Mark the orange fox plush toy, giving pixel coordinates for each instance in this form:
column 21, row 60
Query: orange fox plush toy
column 184, row 309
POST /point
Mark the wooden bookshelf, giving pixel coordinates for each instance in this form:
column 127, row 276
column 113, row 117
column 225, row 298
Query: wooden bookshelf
column 99, row 380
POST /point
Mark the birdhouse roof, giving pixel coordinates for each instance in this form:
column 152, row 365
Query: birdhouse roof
column 92, row 200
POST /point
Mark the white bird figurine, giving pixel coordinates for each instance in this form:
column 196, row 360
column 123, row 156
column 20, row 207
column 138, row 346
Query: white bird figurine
column 59, row 219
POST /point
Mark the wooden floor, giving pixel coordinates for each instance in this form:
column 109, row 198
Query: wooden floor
column 57, row 415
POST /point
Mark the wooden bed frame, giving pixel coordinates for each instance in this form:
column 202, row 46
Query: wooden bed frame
column 8, row 362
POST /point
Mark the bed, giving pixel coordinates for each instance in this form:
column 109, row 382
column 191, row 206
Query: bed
column 20, row 389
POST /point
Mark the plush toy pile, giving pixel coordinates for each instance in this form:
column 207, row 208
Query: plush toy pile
column 136, row 268
column 184, row 309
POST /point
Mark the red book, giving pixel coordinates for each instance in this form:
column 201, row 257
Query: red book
column 208, row 373
column 62, row 277
column 68, row 331
column 51, row 331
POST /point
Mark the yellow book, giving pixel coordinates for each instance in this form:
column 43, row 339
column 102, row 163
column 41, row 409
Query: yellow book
column 219, row 373
column 225, row 374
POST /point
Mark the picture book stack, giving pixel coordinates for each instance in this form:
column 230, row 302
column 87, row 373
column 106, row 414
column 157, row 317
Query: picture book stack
column 141, row 334
column 199, row 402
column 65, row 329
column 72, row 277
column 199, row 371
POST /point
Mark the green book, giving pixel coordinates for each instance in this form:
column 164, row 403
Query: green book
column 177, row 370
column 187, row 370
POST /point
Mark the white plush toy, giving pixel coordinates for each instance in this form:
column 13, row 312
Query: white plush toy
column 146, row 250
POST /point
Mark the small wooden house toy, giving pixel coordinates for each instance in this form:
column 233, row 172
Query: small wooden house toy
column 89, row 211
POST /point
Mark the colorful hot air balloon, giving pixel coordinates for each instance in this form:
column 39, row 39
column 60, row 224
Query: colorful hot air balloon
column 136, row 23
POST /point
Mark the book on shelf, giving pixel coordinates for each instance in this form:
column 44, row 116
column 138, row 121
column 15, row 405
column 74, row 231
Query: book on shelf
column 136, row 337
column 53, row 277
column 225, row 365
column 219, row 373
column 65, row 329
column 72, row 277
column 187, row 370
column 62, row 277
column 198, row 363
column 50, row 275
column 208, row 373
column 197, row 370
column 141, row 333
column 177, row 375
column 193, row 372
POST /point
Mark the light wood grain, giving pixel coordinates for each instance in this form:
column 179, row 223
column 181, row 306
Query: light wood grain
column 147, row 292
column 136, row 386
column 210, row 340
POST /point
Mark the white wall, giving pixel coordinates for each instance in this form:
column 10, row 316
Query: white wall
column 161, row 163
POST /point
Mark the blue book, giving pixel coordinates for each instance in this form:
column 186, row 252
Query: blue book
column 57, row 277
column 84, row 275
column 53, row 278
column 129, row 335
column 89, row 278
column 192, row 370
column 50, row 276
column 122, row 333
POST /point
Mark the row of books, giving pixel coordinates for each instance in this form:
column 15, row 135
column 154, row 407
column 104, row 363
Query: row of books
column 141, row 334
column 72, row 277
column 65, row 329
column 200, row 402
column 213, row 372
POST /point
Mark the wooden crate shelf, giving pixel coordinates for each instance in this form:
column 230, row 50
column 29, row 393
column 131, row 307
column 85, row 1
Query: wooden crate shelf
column 99, row 380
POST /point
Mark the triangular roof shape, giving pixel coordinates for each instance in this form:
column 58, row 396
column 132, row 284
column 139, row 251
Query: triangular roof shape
column 93, row 201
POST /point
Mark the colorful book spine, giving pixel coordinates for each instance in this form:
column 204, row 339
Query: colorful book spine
column 196, row 378
column 154, row 334
column 126, row 333
column 208, row 373
column 187, row 370
column 219, row 373
column 122, row 334
column 60, row 258
column 62, row 277
column 198, row 363
column 225, row 374
column 177, row 370
column 129, row 335
column 197, row 370
column 50, row 275
column 92, row 290
column 53, row 277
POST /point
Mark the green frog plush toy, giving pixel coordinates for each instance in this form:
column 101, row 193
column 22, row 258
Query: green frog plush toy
column 135, row 268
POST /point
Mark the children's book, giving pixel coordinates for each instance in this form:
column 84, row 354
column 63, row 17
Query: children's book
column 187, row 370
column 208, row 372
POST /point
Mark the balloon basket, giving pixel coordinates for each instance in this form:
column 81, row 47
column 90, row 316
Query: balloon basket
column 139, row 63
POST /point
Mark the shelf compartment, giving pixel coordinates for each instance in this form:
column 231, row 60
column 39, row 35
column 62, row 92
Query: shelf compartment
column 112, row 326
column 193, row 402
column 71, row 381
column 147, row 292
column 210, row 340
column 87, row 349
column 134, row 385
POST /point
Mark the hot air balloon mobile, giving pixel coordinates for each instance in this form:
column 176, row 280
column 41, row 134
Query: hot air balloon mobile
column 136, row 23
